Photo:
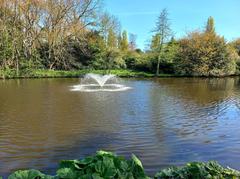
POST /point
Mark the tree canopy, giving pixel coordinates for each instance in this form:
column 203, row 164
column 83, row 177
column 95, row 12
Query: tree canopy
column 78, row 34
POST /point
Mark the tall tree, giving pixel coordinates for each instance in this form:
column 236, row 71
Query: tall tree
column 119, row 40
column 111, row 39
column 163, row 29
column 124, row 41
column 210, row 27
column 108, row 26
column 132, row 41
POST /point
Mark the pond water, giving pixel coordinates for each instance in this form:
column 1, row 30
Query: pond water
column 166, row 121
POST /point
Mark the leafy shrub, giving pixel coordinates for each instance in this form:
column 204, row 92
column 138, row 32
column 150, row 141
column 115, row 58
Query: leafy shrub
column 197, row 170
column 29, row 174
column 205, row 54
column 103, row 165
column 106, row 165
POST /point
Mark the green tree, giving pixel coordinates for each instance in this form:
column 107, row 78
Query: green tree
column 119, row 40
column 236, row 45
column 205, row 54
column 164, row 31
column 210, row 27
column 155, row 42
column 171, row 50
column 111, row 39
column 124, row 42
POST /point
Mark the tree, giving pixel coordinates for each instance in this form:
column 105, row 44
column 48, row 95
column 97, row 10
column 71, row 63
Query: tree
column 205, row 54
column 119, row 41
column 155, row 42
column 132, row 42
column 236, row 45
column 210, row 28
column 109, row 26
column 111, row 39
column 124, row 42
column 164, row 31
column 170, row 51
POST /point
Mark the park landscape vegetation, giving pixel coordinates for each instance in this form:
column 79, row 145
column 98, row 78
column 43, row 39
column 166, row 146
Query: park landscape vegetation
column 56, row 38
column 107, row 165
column 69, row 38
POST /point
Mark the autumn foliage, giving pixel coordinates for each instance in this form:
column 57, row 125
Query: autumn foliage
column 205, row 54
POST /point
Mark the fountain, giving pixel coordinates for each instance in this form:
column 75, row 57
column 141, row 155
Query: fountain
column 94, row 83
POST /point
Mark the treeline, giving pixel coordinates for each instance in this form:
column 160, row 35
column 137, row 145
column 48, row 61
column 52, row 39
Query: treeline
column 59, row 35
column 78, row 34
column 200, row 53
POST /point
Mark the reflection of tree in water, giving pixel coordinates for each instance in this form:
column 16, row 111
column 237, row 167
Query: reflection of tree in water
column 202, row 91
column 192, row 107
column 191, row 116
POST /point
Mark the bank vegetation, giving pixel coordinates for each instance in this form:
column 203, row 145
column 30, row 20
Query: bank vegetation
column 74, row 35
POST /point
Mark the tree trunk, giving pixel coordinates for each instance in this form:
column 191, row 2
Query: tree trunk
column 158, row 65
column 159, row 59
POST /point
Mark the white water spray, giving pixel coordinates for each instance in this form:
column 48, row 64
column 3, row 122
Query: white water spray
column 94, row 83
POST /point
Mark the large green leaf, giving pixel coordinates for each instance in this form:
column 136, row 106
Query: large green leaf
column 210, row 170
column 29, row 174
column 67, row 173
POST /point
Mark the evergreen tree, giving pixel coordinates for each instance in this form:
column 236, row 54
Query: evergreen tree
column 124, row 41
column 210, row 25
column 164, row 31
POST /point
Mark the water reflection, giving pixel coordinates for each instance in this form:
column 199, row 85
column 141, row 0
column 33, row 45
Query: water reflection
column 164, row 121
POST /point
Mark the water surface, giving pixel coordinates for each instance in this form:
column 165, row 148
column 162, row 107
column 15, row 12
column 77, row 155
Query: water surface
column 167, row 121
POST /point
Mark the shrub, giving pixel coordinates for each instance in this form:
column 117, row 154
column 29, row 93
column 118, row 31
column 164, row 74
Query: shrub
column 103, row 165
column 106, row 165
column 205, row 54
column 198, row 170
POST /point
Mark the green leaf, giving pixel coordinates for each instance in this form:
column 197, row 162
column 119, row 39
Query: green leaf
column 137, row 161
column 96, row 176
column 27, row 174
column 101, row 153
column 67, row 173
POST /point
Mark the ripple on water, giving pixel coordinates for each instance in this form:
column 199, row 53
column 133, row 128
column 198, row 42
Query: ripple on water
column 164, row 122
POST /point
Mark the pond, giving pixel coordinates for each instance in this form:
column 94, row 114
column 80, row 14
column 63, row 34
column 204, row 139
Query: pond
column 165, row 121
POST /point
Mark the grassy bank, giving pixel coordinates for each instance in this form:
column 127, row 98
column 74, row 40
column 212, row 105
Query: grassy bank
column 124, row 73
column 73, row 74
column 106, row 165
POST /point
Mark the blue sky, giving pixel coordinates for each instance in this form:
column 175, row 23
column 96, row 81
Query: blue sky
column 139, row 16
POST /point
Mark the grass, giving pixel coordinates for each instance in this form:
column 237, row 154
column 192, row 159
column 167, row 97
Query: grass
column 75, row 73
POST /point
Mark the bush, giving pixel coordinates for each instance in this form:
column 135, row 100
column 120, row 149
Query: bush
column 132, row 58
column 205, row 54
column 106, row 165
column 103, row 165
column 197, row 170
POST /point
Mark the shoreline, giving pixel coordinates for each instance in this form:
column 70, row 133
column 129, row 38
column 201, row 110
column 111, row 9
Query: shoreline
column 38, row 74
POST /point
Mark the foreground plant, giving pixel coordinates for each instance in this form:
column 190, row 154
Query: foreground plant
column 198, row 170
column 106, row 165
column 103, row 165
